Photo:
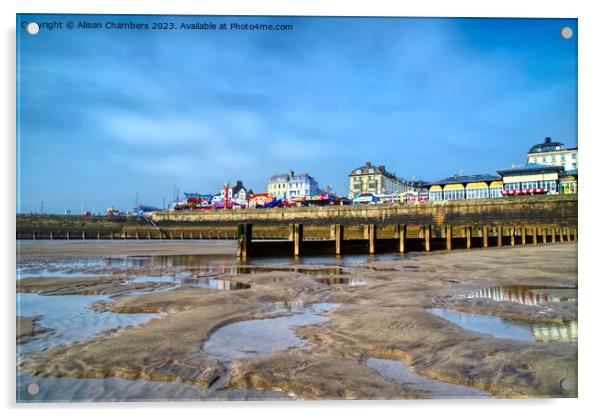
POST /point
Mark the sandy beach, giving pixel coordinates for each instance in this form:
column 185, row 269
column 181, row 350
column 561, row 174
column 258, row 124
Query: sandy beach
column 375, row 310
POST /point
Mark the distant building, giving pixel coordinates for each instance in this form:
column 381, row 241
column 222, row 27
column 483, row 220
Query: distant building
column 553, row 153
column 461, row 187
column 377, row 180
column 290, row 186
column 236, row 193
column 531, row 179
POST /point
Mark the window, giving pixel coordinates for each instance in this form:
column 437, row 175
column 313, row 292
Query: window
column 371, row 171
column 495, row 192
column 477, row 193
column 453, row 194
column 436, row 196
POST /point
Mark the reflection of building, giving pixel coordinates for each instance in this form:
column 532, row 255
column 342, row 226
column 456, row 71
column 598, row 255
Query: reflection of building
column 466, row 186
column 288, row 186
column 531, row 179
column 553, row 332
column 520, row 295
column 553, row 153
column 377, row 180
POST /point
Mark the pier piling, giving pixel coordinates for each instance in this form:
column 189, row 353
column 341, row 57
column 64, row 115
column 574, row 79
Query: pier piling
column 372, row 238
column 298, row 239
column 245, row 239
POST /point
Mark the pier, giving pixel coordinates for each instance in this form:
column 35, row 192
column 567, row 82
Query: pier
column 338, row 230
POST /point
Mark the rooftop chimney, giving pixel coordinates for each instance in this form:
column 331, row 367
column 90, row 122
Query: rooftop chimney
column 368, row 164
column 548, row 139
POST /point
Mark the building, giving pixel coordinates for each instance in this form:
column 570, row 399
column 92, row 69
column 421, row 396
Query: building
column 370, row 179
column 237, row 193
column 553, row 153
column 460, row 187
column 531, row 179
column 290, row 186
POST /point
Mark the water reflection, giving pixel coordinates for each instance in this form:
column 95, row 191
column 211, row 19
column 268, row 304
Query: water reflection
column 218, row 284
column 540, row 332
column 526, row 295
column 340, row 281
column 261, row 337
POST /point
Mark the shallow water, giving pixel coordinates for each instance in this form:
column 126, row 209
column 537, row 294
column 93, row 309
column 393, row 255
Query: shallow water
column 398, row 371
column 70, row 317
column 261, row 337
column 118, row 389
column 540, row 332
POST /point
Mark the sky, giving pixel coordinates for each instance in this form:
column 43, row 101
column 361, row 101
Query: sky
column 104, row 115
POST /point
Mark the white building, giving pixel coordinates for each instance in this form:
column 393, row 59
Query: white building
column 236, row 193
column 289, row 186
column 553, row 153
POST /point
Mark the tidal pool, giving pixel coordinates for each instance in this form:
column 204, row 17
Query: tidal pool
column 264, row 336
column 70, row 318
column 540, row 332
column 398, row 371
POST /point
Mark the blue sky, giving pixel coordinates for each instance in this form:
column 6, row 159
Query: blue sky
column 103, row 114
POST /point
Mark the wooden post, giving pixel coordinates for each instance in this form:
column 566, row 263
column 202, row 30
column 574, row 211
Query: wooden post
column 468, row 231
column 485, row 236
column 512, row 233
column 366, row 232
column 291, row 232
column 575, row 233
column 83, row 235
column 553, row 230
column 523, row 235
column 137, row 235
column 51, row 235
column 98, row 235
column 534, row 235
column 333, row 232
column 298, row 238
column 148, row 235
column 561, row 232
column 372, row 238
column 245, row 237
column 500, row 236
column 448, row 237
column 401, row 229
column 427, row 238
column 33, row 235
column 339, row 237
column 545, row 235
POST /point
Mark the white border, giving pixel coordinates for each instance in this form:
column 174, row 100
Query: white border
column 590, row 70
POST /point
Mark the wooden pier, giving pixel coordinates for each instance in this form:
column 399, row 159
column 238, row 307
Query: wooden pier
column 338, row 230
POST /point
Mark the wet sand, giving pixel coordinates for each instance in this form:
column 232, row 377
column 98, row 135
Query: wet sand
column 28, row 328
column 385, row 318
column 57, row 249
